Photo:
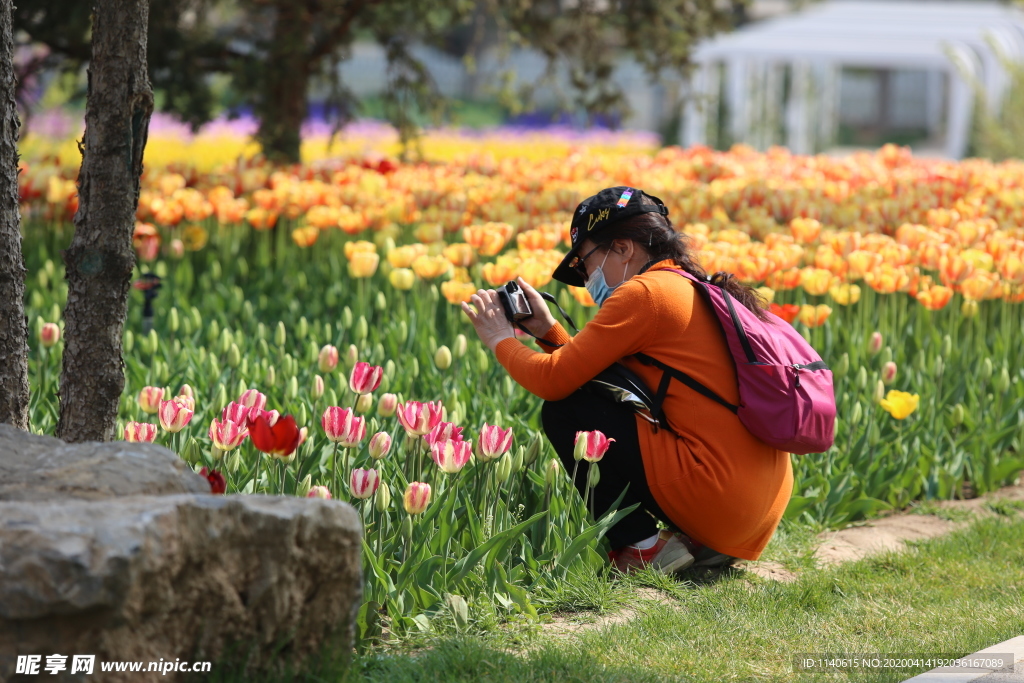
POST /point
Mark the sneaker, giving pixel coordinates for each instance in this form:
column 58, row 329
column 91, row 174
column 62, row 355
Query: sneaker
column 668, row 555
column 703, row 556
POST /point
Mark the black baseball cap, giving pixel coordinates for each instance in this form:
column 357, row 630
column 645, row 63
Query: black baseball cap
column 595, row 214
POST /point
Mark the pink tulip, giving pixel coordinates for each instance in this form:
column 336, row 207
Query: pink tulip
column 888, row 372
column 365, row 378
column 416, row 498
column 328, row 358
column 387, row 405
column 236, row 412
column 337, row 422
column 451, row 456
column 364, row 483
column 443, row 431
column 319, row 492
column 227, row 435
column 494, row 441
column 318, row 387
column 149, row 399
column 419, row 418
column 356, row 433
column 252, row 398
column 175, row 414
column 380, row 444
column 271, row 416
column 49, row 334
column 596, row 444
column 186, row 400
column 186, row 390
column 139, row 431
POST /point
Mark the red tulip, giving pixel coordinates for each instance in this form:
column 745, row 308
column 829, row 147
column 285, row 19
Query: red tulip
column 364, row 483
column 593, row 445
column 494, row 441
column 787, row 312
column 365, row 378
column 278, row 440
column 216, row 479
column 139, row 431
column 271, row 416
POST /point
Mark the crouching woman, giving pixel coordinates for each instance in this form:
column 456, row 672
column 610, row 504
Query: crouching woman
column 720, row 491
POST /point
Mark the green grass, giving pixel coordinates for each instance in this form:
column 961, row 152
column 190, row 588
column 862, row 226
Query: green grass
column 931, row 507
column 951, row 595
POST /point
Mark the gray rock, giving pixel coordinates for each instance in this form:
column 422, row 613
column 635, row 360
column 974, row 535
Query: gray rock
column 36, row 467
column 176, row 577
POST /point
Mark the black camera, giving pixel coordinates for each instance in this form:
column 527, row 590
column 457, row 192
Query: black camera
column 513, row 300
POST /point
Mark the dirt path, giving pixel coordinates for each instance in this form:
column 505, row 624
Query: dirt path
column 833, row 547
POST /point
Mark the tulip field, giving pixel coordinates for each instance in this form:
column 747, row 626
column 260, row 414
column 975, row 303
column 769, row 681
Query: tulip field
column 306, row 338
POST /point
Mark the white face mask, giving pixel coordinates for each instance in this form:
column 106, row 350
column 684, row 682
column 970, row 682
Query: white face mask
column 596, row 285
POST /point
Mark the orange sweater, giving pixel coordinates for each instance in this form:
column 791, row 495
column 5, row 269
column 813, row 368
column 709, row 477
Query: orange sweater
column 720, row 485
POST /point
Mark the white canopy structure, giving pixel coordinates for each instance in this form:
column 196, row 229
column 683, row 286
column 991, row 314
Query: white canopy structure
column 781, row 76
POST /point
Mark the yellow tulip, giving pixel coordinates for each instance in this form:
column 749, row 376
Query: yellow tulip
column 844, row 294
column 363, row 264
column 900, row 404
column 402, row 278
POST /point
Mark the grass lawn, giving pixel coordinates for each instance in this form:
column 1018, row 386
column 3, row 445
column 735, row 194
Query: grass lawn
column 951, row 595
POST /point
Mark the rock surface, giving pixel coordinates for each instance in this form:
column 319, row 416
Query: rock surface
column 36, row 467
column 188, row 576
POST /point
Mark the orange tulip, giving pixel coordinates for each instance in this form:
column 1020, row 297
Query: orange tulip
column 1012, row 269
column 363, row 264
column 886, row 279
column 460, row 254
column 753, row 268
column 355, row 246
column 816, row 281
column 805, row 230
column 430, row 267
column 402, row 257
column 500, row 272
column 935, row 298
column 457, row 292
column 980, row 285
column 782, row 280
column 953, row 269
column 536, row 273
column 305, row 236
column 582, row 295
column 814, row 316
column 261, row 218
column 861, row 262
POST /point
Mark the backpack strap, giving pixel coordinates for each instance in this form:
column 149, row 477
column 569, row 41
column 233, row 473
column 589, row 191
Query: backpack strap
column 668, row 372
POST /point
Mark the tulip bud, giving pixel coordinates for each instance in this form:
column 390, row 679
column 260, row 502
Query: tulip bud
column 406, row 528
column 233, row 461
column 172, row 319
column 215, row 453
column 382, row 302
column 594, row 476
column 856, row 413
column 380, row 444
column 153, row 342
column 382, row 499
column 49, row 335
column 947, row 345
column 346, row 318
column 958, row 414
column 875, row 345
column 292, row 390
column 879, row 392
column 321, row 492
column 842, row 367
column 986, row 370
column 389, row 370
column 221, row 399
column 351, row 356
column 888, row 372
column 271, row 376
column 414, row 368
column 387, row 405
column 886, row 356
column 302, row 490
column 248, row 312
column 552, row 471
column 280, row 334
column 403, row 331
column 226, row 338
column 129, row 341
column 873, row 433
column 940, row 367
column 364, row 403
column 483, row 359
column 318, row 387
column 969, row 308
column 460, row 346
column 517, row 459
column 302, row 328
column 862, row 378
column 234, row 356
column 443, row 358
column 502, row 470
column 1002, row 382
column 361, row 329
column 191, row 453
column 532, row 449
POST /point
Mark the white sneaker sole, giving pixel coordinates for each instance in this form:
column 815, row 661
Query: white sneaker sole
column 674, row 557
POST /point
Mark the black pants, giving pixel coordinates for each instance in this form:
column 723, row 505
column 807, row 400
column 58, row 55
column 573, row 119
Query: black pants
column 621, row 465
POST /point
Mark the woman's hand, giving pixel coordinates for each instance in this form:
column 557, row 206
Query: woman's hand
column 489, row 318
column 541, row 321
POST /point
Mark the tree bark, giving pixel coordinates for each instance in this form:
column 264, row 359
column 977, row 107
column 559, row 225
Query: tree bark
column 14, row 395
column 100, row 259
column 286, row 81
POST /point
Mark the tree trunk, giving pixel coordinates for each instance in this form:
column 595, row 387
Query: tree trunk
column 13, row 326
column 100, row 259
column 286, row 80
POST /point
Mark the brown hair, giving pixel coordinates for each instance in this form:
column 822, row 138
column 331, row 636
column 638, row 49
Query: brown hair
column 657, row 236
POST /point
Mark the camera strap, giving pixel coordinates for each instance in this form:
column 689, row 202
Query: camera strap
column 550, row 297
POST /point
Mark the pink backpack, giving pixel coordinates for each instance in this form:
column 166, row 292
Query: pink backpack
column 786, row 394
